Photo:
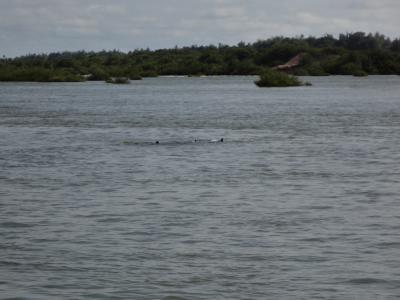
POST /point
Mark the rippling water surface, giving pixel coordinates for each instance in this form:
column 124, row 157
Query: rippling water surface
column 300, row 201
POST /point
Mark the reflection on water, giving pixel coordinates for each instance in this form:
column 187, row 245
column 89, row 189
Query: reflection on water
column 300, row 200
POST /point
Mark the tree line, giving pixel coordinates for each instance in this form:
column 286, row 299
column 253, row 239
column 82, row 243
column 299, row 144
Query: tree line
column 347, row 54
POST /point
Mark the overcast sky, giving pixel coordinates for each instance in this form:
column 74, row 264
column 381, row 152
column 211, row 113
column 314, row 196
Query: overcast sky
column 36, row 26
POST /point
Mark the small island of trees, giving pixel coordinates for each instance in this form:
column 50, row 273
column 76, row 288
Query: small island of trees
column 357, row 54
column 273, row 78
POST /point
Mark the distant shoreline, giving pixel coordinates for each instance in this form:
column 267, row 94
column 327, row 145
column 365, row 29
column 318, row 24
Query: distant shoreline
column 185, row 77
column 357, row 54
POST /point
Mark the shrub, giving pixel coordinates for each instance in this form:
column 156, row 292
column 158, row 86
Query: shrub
column 360, row 73
column 149, row 74
column 272, row 78
column 135, row 77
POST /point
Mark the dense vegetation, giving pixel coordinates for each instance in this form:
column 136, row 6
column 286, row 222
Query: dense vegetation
column 350, row 54
column 272, row 78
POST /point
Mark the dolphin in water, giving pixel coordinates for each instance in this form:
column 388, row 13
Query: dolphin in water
column 221, row 140
column 157, row 142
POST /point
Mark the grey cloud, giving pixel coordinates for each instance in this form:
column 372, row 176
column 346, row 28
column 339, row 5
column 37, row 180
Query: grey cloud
column 54, row 25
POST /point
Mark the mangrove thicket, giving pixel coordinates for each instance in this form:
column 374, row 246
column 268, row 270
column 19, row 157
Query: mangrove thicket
column 348, row 54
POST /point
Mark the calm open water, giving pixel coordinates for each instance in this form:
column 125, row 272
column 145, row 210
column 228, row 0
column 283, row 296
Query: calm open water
column 300, row 201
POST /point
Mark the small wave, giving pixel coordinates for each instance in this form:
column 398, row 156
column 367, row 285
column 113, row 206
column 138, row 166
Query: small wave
column 319, row 207
column 173, row 298
column 111, row 220
column 314, row 240
column 367, row 280
column 198, row 280
column 14, row 225
column 9, row 264
column 385, row 245
column 18, row 298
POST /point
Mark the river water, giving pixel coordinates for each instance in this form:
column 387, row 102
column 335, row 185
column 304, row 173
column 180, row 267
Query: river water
column 300, row 201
